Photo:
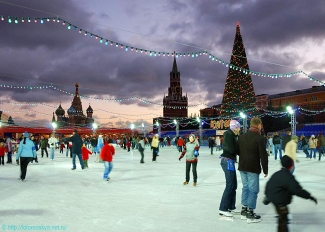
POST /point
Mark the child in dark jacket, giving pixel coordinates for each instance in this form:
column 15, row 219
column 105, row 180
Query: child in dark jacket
column 61, row 147
column 280, row 189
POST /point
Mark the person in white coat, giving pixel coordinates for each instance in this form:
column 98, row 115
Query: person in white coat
column 52, row 143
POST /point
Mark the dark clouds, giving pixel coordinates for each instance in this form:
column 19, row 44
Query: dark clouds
column 40, row 54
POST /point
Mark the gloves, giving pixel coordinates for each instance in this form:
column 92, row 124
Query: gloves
column 196, row 153
column 17, row 162
column 313, row 199
column 266, row 201
column 180, row 158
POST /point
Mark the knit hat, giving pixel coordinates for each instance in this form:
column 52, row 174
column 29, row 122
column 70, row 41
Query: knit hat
column 191, row 135
column 312, row 136
column 26, row 135
column 234, row 125
column 286, row 162
column 294, row 137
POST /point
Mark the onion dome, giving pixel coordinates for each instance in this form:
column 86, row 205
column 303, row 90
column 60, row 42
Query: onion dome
column 71, row 110
column 89, row 109
column 60, row 111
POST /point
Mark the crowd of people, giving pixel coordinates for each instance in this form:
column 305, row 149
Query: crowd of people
column 249, row 150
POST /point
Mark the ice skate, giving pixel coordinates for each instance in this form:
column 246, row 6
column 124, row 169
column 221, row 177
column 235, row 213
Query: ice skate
column 225, row 215
column 243, row 213
column 185, row 183
column 252, row 217
column 194, row 183
column 235, row 212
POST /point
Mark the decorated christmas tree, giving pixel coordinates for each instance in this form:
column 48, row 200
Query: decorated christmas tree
column 239, row 92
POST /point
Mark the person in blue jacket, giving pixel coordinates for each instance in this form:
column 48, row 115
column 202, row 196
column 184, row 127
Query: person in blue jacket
column 26, row 153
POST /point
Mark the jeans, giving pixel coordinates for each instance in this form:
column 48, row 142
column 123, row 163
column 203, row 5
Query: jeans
column 211, row 150
column 179, row 148
column 108, row 166
column 74, row 160
column 52, row 152
column 250, row 189
column 321, row 149
column 311, row 152
column 228, row 200
column 277, row 147
column 155, row 152
column 305, row 150
column 142, row 157
column 188, row 169
column 66, row 151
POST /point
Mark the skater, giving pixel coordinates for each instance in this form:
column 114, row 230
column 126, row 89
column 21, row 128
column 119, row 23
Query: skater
column 277, row 145
column 312, row 146
column 320, row 145
column 26, row 153
column 3, row 150
column 44, row 145
column 107, row 156
column 280, row 189
column 62, row 146
column 155, row 148
column 252, row 154
column 211, row 144
column 100, row 144
column 191, row 149
column 141, row 149
column 76, row 149
column 9, row 150
column 291, row 149
column 52, row 141
column 85, row 155
column 32, row 138
column 304, row 144
column 228, row 159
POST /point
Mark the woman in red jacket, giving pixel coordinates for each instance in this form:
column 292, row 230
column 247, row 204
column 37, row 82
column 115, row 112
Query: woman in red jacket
column 107, row 156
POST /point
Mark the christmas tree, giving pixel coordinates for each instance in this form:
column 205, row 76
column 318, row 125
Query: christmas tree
column 239, row 92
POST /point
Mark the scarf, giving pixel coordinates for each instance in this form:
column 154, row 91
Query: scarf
column 255, row 129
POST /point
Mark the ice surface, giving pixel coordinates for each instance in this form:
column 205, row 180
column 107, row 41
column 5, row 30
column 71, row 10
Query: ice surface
column 144, row 197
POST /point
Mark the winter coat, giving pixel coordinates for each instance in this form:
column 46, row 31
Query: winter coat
column 2, row 151
column 290, row 150
column 312, row 143
column 229, row 145
column 180, row 142
column 189, row 149
column 9, row 145
column 252, row 153
column 285, row 140
column 320, row 141
column 276, row 139
column 211, row 142
column 26, row 150
column 282, row 186
column 43, row 143
column 85, row 153
column 141, row 145
column 154, row 143
column 76, row 143
column 52, row 141
column 107, row 153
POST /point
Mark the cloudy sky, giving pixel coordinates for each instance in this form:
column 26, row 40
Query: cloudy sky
column 279, row 37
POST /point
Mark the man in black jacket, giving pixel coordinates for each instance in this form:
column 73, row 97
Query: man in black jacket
column 280, row 189
column 277, row 145
column 286, row 139
column 76, row 149
column 228, row 158
column 252, row 154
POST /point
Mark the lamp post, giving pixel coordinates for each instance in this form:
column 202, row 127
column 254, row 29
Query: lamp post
column 159, row 128
column 177, row 127
column 244, row 117
column 200, row 128
column 54, row 126
column 293, row 122
column 94, row 126
column 132, row 128
column 144, row 131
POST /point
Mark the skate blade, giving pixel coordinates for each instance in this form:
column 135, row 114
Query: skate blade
column 253, row 220
column 225, row 218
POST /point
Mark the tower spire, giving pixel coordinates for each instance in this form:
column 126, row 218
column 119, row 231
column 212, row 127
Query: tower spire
column 77, row 91
column 175, row 70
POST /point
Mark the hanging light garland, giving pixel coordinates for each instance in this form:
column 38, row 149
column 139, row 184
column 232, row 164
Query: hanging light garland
column 102, row 40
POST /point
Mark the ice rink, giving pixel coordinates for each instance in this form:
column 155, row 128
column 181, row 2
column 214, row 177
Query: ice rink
column 143, row 197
